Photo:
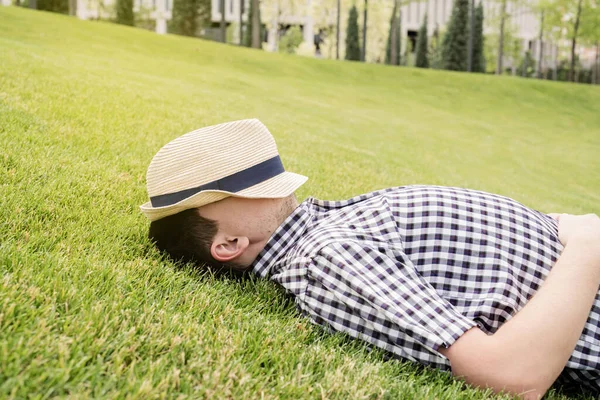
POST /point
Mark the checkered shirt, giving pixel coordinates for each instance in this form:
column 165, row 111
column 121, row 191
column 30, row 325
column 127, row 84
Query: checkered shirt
column 410, row 269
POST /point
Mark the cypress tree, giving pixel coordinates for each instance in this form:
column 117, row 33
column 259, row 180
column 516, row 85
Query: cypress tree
column 352, row 46
column 248, row 31
column 454, row 45
column 422, row 57
column 395, row 28
column 185, row 18
column 250, row 24
column 125, row 12
column 478, row 41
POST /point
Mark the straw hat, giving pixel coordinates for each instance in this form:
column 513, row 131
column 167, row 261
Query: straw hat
column 237, row 158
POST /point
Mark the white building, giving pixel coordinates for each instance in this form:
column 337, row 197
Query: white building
column 525, row 22
column 155, row 10
column 278, row 15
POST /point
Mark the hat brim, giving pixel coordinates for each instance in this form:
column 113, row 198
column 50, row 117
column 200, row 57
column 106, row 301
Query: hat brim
column 279, row 186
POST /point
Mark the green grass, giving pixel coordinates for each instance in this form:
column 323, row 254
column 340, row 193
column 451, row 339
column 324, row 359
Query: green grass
column 89, row 309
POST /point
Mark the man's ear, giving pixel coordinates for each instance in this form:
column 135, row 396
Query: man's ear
column 227, row 248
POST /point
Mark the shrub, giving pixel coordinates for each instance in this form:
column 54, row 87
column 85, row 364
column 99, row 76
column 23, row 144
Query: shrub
column 290, row 40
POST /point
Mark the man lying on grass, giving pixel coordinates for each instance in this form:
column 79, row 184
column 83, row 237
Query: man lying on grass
column 503, row 295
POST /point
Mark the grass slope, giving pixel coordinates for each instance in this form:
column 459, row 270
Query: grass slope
column 89, row 309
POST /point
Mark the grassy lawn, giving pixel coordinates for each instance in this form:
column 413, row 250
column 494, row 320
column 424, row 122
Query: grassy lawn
column 89, row 309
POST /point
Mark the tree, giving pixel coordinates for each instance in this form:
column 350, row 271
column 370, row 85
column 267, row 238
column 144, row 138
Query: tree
column 378, row 28
column 542, row 7
column 541, row 46
column 241, row 23
column 222, row 23
column 503, row 32
column 590, row 34
column 596, row 65
column 501, row 44
column 125, row 12
column 57, row 6
column 514, row 49
column 188, row 16
column 337, row 31
column 478, row 41
column 454, row 45
column 256, row 24
column 254, row 29
column 394, row 43
column 569, row 15
column 503, row 17
column 352, row 46
column 436, row 50
column 363, row 56
column 422, row 57
column 574, row 38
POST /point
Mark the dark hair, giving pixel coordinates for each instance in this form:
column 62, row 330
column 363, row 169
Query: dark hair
column 186, row 236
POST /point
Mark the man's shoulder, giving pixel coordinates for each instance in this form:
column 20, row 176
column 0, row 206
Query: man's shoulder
column 408, row 191
column 333, row 204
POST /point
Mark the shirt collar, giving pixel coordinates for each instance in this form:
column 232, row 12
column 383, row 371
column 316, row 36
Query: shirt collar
column 282, row 240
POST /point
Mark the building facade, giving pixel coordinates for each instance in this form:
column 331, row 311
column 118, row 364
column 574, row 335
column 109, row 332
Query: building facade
column 158, row 11
column 523, row 21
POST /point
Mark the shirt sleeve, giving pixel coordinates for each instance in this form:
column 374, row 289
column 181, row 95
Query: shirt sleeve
column 377, row 295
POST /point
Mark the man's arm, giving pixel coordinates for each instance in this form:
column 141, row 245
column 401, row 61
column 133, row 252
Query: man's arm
column 526, row 355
